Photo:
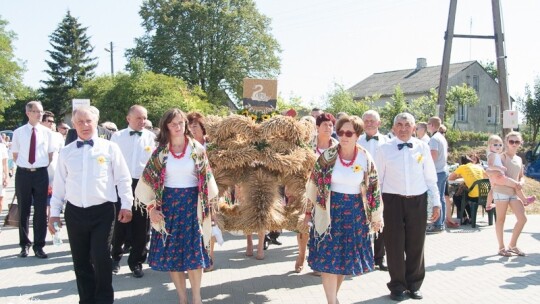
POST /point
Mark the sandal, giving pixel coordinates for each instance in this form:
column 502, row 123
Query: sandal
column 503, row 252
column 516, row 251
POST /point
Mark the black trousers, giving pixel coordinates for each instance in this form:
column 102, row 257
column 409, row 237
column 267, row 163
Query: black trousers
column 404, row 235
column 378, row 248
column 32, row 188
column 89, row 232
column 139, row 232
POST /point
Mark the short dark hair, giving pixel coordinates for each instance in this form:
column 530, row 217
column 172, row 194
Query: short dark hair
column 47, row 114
column 197, row 117
column 325, row 117
column 356, row 122
column 465, row 160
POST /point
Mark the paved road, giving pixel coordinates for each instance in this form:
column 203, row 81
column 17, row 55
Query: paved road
column 462, row 267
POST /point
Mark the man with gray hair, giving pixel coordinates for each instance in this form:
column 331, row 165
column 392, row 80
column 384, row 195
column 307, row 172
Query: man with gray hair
column 101, row 132
column 32, row 147
column 406, row 172
column 88, row 173
column 372, row 139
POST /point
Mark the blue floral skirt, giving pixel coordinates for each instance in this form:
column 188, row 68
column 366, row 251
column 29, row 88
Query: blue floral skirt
column 346, row 249
column 183, row 249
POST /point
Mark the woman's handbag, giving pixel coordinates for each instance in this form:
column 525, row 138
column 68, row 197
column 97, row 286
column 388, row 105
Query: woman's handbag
column 12, row 218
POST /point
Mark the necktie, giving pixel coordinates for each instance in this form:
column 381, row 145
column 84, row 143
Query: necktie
column 408, row 145
column 135, row 132
column 368, row 138
column 32, row 152
column 81, row 143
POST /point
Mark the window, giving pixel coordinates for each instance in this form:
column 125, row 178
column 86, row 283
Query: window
column 490, row 115
column 476, row 83
column 461, row 113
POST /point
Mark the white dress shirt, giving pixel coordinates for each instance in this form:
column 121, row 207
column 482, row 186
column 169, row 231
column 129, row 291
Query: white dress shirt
column 87, row 176
column 373, row 145
column 409, row 171
column 136, row 149
column 21, row 145
column 58, row 141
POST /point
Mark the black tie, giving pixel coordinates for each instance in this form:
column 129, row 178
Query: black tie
column 368, row 138
column 81, row 143
column 408, row 145
column 135, row 132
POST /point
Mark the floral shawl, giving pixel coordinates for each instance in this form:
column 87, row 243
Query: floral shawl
column 318, row 192
column 149, row 191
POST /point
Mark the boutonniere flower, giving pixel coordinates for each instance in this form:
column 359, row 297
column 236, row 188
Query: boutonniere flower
column 148, row 149
column 357, row 168
column 101, row 159
column 253, row 117
column 419, row 158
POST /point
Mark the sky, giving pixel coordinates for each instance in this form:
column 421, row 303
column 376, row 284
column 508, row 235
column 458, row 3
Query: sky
column 324, row 42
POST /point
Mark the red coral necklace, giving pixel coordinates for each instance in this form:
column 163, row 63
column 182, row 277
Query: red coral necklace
column 344, row 163
column 179, row 156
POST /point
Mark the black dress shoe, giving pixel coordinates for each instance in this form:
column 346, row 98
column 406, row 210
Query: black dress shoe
column 267, row 242
column 40, row 254
column 115, row 266
column 417, row 295
column 382, row 265
column 138, row 273
column 397, row 295
column 23, row 253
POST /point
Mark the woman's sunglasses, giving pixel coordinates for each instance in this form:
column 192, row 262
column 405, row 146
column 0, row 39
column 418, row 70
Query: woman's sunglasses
column 514, row 142
column 340, row 133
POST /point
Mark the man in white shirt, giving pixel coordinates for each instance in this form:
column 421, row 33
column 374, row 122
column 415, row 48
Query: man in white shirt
column 372, row 139
column 58, row 141
column 439, row 153
column 32, row 149
column 406, row 172
column 421, row 132
column 86, row 175
column 137, row 144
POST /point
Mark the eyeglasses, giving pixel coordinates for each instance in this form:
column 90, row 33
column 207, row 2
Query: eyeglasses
column 514, row 142
column 340, row 133
column 497, row 145
column 176, row 125
column 35, row 111
column 49, row 121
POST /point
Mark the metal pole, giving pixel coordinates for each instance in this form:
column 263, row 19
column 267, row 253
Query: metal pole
column 112, row 60
column 501, row 60
column 443, row 82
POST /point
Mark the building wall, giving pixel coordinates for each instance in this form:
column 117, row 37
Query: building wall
column 476, row 118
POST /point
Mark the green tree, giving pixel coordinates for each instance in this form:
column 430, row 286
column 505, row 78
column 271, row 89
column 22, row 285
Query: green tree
column 15, row 113
column 391, row 109
column 11, row 71
column 530, row 106
column 71, row 64
column 491, row 69
column 424, row 107
column 158, row 93
column 462, row 95
column 341, row 100
column 212, row 44
column 294, row 102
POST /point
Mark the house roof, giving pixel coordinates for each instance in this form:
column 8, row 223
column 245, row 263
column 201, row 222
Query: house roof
column 411, row 81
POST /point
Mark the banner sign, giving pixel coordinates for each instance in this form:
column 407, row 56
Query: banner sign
column 510, row 119
column 260, row 94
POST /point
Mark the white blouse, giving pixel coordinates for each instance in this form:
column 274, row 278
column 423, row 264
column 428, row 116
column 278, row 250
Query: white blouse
column 347, row 180
column 180, row 173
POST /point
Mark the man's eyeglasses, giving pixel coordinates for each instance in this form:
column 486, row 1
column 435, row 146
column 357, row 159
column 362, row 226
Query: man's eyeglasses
column 49, row 121
column 340, row 133
column 514, row 142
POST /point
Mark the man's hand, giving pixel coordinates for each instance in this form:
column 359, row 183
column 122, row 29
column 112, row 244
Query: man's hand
column 124, row 216
column 436, row 214
column 52, row 220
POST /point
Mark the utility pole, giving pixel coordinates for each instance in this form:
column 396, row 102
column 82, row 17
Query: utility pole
column 111, row 50
column 499, row 50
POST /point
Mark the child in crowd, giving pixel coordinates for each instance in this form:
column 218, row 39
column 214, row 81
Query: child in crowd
column 496, row 173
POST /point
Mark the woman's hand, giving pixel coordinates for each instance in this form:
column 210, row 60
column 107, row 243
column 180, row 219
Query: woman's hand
column 376, row 226
column 307, row 219
column 156, row 216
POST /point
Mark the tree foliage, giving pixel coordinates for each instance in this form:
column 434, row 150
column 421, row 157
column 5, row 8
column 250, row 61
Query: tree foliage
column 530, row 107
column 391, row 109
column 213, row 44
column 424, row 107
column 491, row 69
column 69, row 67
column 11, row 71
column 462, row 95
column 157, row 93
column 341, row 100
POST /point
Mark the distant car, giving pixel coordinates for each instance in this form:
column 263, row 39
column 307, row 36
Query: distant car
column 532, row 169
column 9, row 133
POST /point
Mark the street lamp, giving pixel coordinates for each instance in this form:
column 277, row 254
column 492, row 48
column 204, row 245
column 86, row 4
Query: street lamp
column 110, row 50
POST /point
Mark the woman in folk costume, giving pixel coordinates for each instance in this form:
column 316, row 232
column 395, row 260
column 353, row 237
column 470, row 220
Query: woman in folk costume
column 177, row 189
column 345, row 201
